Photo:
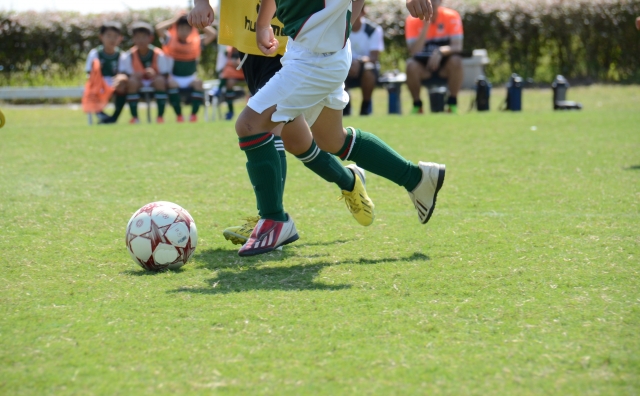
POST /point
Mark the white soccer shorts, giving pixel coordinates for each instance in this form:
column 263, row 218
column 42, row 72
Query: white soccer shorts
column 184, row 81
column 307, row 82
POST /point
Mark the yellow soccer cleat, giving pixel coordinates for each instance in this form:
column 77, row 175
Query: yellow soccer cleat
column 1, row 119
column 358, row 202
column 238, row 235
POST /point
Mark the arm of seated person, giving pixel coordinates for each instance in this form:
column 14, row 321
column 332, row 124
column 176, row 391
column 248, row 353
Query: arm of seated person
column 162, row 27
column 416, row 45
column 454, row 48
column 210, row 35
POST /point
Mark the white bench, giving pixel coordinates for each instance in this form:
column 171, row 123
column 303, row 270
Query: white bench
column 17, row 93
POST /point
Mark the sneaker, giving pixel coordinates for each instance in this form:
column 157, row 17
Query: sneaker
column 193, row 118
column 134, row 120
column 357, row 201
column 417, row 110
column 102, row 116
column 424, row 195
column 180, row 118
column 228, row 116
column 160, row 120
column 238, row 235
column 452, row 109
column 108, row 120
column 268, row 235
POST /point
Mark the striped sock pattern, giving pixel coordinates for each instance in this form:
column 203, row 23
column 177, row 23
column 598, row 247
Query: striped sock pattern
column 310, row 154
column 327, row 167
column 277, row 141
column 349, row 143
column 254, row 141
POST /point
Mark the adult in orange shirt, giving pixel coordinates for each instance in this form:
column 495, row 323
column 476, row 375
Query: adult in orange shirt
column 435, row 46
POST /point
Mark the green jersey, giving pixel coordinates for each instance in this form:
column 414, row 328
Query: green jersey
column 108, row 62
column 319, row 25
column 147, row 60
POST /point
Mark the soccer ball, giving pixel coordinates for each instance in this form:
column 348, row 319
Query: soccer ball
column 161, row 235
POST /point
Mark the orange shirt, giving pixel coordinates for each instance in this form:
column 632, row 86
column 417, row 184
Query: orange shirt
column 448, row 25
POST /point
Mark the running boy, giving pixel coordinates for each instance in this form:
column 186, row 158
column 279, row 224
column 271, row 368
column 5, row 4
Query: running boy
column 314, row 68
column 109, row 56
column 146, row 65
column 183, row 45
column 310, row 83
column 258, row 69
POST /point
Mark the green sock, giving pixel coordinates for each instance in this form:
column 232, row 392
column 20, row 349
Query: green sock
column 197, row 98
column 372, row 154
column 327, row 167
column 121, row 100
column 277, row 141
column 265, row 173
column 161, row 100
column 133, row 104
column 174, row 99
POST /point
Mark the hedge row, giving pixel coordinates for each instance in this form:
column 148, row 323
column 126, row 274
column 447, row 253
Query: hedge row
column 593, row 40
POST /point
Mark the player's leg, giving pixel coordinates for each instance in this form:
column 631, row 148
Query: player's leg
column 452, row 70
column 160, row 86
column 416, row 73
column 133, row 97
column 120, row 83
column 368, row 81
column 229, row 84
column 351, row 180
column 422, row 181
column 174, row 97
column 197, row 97
column 275, row 227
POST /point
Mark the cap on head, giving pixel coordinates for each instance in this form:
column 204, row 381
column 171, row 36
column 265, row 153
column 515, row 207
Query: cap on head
column 111, row 25
column 141, row 27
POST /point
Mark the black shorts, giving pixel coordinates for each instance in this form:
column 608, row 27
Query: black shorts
column 259, row 69
column 423, row 60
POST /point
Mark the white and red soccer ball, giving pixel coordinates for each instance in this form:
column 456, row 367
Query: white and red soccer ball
column 161, row 235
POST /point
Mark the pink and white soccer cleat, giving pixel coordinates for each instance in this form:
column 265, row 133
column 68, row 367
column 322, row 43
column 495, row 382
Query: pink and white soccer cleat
column 268, row 235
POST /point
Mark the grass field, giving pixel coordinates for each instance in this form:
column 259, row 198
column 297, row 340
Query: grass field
column 524, row 282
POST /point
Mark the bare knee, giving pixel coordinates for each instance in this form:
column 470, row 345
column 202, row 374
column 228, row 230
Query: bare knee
column 197, row 84
column 159, row 83
column 171, row 83
column 134, row 84
column 355, row 68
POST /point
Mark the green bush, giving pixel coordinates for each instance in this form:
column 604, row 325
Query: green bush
column 588, row 40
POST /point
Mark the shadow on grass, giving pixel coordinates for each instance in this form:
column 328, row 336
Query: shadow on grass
column 290, row 278
column 143, row 272
column 632, row 167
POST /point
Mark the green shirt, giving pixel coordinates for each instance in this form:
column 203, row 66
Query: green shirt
column 321, row 26
column 147, row 60
column 184, row 68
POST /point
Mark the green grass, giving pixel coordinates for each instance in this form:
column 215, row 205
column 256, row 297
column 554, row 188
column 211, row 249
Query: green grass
column 524, row 282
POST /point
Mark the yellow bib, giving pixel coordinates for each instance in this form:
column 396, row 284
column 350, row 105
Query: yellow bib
column 238, row 26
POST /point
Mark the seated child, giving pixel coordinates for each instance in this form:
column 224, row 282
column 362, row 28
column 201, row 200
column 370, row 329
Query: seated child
column 182, row 44
column 230, row 76
column 109, row 55
column 146, row 66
